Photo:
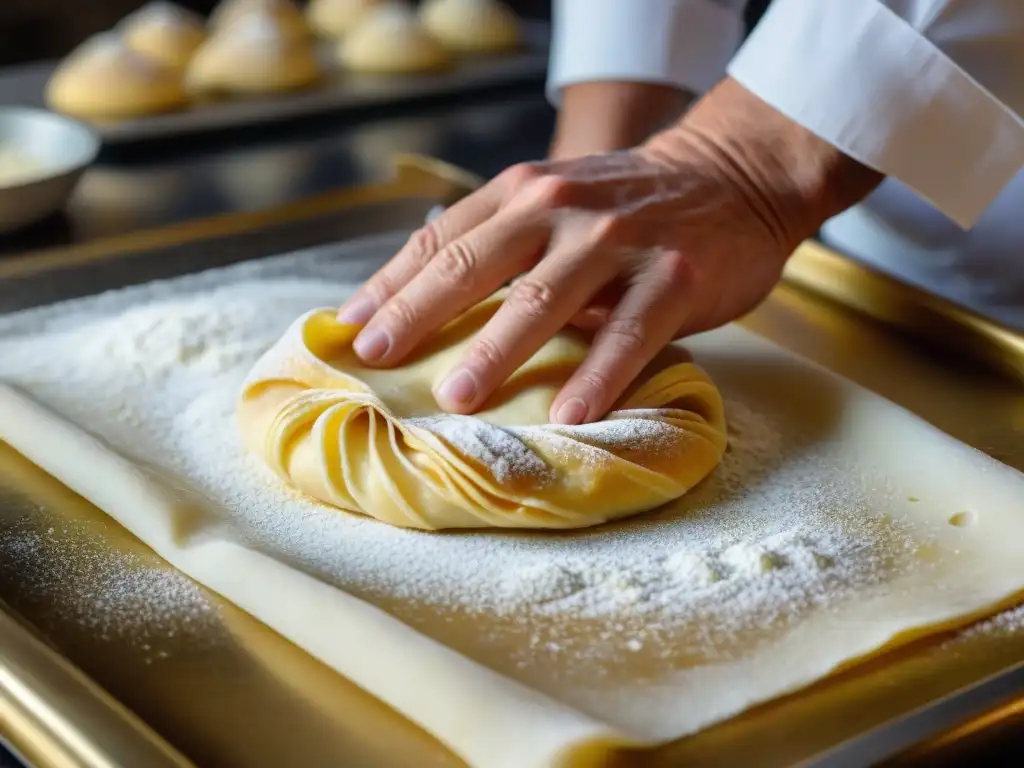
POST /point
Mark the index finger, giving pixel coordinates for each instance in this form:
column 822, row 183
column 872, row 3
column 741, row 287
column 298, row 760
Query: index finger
column 417, row 252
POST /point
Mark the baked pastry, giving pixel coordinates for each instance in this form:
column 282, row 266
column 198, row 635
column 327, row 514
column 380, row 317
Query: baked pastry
column 472, row 26
column 389, row 39
column 104, row 79
column 373, row 441
column 336, row 18
column 165, row 32
column 289, row 18
column 253, row 54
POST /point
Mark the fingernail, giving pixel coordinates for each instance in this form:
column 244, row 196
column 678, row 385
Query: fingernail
column 573, row 411
column 371, row 344
column 458, row 389
column 357, row 311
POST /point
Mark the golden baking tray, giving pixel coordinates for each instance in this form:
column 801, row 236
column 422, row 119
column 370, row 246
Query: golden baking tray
column 234, row 693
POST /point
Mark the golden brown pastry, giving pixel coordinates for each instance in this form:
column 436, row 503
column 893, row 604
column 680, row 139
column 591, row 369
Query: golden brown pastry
column 373, row 441
column 253, row 54
column 472, row 26
column 165, row 32
column 287, row 15
column 104, row 79
column 389, row 39
column 336, row 18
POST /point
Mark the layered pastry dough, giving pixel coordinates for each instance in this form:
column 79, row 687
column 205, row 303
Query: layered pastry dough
column 389, row 39
column 165, row 32
column 372, row 441
column 472, row 26
column 104, row 79
column 253, row 54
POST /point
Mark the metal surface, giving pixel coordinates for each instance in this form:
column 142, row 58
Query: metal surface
column 56, row 716
column 60, row 148
column 339, row 92
column 236, row 694
column 924, row 316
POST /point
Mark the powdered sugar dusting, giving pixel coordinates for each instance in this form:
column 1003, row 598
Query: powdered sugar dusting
column 503, row 455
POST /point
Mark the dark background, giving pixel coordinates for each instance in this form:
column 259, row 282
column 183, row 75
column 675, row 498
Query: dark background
column 48, row 29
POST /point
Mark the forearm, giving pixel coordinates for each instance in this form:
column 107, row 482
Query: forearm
column 607, row 116
column 622, row 69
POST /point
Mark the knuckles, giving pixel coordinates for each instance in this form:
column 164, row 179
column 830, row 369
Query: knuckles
column 531, row 298
column 400, row 315
column 610, row 228
column 593, row 381
column 485, row 353
column 626, row 333
column 423, row 244
column 531, row 185
column 456, row 263
column 517, row 176
column 679, row 268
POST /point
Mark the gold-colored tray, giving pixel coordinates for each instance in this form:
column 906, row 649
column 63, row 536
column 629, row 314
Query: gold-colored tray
column 232, row 692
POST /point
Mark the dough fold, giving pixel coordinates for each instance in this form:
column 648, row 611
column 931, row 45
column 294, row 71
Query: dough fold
column 372, row 441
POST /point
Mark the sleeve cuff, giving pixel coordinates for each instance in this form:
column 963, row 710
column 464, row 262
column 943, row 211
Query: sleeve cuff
column 863, row 79
column 685, row 43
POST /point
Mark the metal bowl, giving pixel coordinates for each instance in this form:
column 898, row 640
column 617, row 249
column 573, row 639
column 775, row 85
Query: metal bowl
column 62, row 148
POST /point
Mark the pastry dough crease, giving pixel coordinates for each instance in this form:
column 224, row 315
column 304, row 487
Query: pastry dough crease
column 373, row 441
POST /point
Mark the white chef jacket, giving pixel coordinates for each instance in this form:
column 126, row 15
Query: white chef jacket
column 929, row 92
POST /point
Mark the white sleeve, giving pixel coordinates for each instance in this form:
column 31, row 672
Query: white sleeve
column 685, row 43
column 930, row 92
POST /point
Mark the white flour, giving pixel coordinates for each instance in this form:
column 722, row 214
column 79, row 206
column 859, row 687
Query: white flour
column 784, row 526
column 498, row 450
column 114, row 594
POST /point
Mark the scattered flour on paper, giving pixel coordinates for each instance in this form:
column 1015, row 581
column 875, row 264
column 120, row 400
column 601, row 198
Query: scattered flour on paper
column 786, row 525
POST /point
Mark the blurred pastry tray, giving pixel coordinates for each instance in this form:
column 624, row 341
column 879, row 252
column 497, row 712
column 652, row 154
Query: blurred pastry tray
column 340, row 91
column 234, row 693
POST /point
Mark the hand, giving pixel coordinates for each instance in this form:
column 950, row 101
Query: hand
column 681, row 235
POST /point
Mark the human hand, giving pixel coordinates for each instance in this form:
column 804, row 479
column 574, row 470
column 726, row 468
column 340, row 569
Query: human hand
column 681, row 235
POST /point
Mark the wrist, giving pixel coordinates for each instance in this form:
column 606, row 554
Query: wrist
column 607, row 116
column 793, row 179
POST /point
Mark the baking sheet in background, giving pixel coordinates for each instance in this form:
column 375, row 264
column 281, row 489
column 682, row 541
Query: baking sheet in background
column 997, row 403
column 339, row 92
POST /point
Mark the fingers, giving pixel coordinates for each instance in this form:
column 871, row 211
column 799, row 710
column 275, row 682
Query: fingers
column 421, row 247
column 644, row 321
column 537, row 306
column 463, row 273
column 597, row 312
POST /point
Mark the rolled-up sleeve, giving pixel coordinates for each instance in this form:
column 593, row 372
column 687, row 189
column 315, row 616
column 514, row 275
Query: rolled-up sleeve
column 685, row 43
column 930, row 92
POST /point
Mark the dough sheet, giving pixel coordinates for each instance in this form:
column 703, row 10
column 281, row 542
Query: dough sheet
column 938, row 528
